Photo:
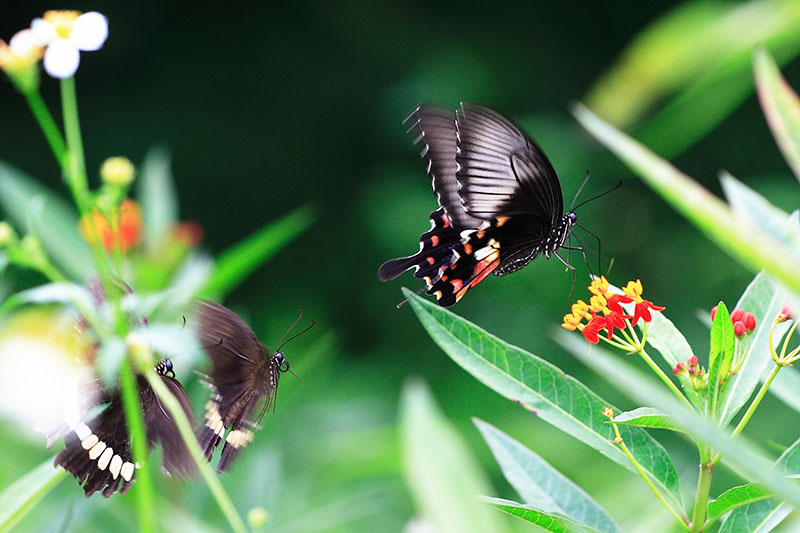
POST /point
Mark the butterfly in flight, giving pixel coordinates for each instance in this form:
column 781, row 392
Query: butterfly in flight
column 500, row 202
column 241, row 374
column 98, row 452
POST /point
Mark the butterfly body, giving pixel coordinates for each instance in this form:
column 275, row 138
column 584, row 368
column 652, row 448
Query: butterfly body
column 500, row 202
column 241, row 375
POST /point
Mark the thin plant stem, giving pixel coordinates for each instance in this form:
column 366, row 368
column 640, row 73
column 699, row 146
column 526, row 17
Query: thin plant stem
column 145, row 498
column 76, row 175
column 48, row 124
column 644, row 475
column 660, row 373
column 187, row 433
column 703, row 490
column 756, row 401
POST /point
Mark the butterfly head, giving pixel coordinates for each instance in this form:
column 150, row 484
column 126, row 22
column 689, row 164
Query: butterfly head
column 164, row 368
column 281, row 362
column 572, row 217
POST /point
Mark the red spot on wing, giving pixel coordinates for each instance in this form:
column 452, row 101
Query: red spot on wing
column 467, row 248
column 430, row 260
column 457, row 284
column 481, row 270
column 434, row 240
column 445, row 221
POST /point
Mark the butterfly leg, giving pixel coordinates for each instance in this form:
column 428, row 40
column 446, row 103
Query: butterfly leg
column 574, row 272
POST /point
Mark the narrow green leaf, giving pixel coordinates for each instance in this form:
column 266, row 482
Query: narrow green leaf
column 542, row 486
column 748, row 243
column 736, row 497
column 444, row 478
column 781, row 107
column 667, row 339
column 156, row 193
column 22, row 495
column 739, row 453
column 543, row 388
column 34, row 208
column 762, row 298
column 547, row 521
column 786, row 387
column 766, row 514
column 242, row 259
column 719, row 356
column 647, row 417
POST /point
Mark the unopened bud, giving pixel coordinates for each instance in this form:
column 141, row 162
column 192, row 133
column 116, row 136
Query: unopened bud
column 257, row 517
column 118, row 171
column 749, row 320
column 737, row 315
column 787, row 313
column 739, row 329
column 693, row 360
column 714, row 312
column 679, row 369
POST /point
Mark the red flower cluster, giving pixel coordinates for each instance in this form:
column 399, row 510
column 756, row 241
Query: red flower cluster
column 605, row 311
column 695, row 370
column 743, row 323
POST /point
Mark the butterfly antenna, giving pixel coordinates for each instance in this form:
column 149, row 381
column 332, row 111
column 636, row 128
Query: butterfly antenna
column 609, row 191
column 313, row 322
column 299, row 317
column 575, row 198
column 599, row 245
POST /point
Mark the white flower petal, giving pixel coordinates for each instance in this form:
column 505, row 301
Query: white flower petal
column 43, row 30
column 89, row 31
column 23, row 42
column 61, row 58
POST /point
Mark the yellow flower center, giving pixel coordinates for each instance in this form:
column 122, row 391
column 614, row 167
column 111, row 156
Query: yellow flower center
column 62, row 20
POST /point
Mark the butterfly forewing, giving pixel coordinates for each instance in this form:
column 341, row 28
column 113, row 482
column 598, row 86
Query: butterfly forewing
column 240, row 376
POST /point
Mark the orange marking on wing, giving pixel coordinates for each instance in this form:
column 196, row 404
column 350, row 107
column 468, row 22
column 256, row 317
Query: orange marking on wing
column 467, row 248
column 482, row 269
column 457, row 284
column 501, row 221
column 430, row 260
column 444, row 278
column 445, row 221
column 434, row 240
column 480, row 234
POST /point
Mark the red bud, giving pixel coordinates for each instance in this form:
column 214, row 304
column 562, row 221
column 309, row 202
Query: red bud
column 713, row 312
column 737, row 315
column 693, row 360
column 739, row 329
column 749, row 321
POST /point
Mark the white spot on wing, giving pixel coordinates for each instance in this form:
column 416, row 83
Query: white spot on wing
column 102, row 463
column 127, row 471
column 82, row 431
column 96, row 450
column 89, row 441
column 115, row 466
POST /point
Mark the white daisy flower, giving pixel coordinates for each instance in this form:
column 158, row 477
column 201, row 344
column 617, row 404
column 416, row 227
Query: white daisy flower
column 66, row 33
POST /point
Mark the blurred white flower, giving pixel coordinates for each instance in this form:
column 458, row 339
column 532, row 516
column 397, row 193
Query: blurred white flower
column 21, row 51
column 66, row 34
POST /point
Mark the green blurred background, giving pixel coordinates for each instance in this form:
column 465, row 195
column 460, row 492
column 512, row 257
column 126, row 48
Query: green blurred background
column 266, row 108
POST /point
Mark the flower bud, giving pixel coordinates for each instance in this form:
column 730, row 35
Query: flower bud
column 693, row 360
column 257, row 517
column 786, row 313
column 739, row 329
column 737, row 315
column 714, row 312
column 749, row 321
column 679, row 368
column 118, row 171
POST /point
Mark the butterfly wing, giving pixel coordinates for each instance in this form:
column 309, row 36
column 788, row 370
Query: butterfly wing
column 502, row 172
column 237, row 364
column 435, row 130
column 97, row 453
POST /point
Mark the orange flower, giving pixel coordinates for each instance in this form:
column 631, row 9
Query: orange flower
column 124, row 232
column 642, row 310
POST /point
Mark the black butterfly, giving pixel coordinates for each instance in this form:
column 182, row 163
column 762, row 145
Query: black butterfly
column 500, row 203
column 98, row 452
column 241, row 374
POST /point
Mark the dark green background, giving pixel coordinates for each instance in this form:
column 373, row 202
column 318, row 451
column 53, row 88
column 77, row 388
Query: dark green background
column 267, row 108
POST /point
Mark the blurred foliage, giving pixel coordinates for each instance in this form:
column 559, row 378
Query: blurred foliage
column 265, row 108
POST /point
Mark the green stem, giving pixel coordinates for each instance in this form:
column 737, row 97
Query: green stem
column 703, row 490
column 133, row 416
column 660, row 373
column 48, row 124
column 756, row 401
column 645, row 477
column 76, row 174
column 189, row 438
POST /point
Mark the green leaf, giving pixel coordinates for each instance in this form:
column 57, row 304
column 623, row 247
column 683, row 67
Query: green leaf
column 156, row 193
column 736, row 497
column 719, row 357
column 746, row 242
column 547, row 521
column 647, row 417
column 762, row 298
column 62, row 292
column 766, row 514
column 242, row 259
column 543, row 388
column 781, row 107
column 542, row 486
column 22, row 495
column 34, row 208
column 739, row 453
column 444, row 478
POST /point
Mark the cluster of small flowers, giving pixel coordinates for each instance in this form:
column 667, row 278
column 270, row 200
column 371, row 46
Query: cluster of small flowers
column 59, row 37
column 694, row 368
column 743, row 323
column 604, row 310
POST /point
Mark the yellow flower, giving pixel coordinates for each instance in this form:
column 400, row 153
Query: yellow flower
column 599, row 286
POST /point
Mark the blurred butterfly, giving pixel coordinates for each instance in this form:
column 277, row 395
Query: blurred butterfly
column 98, row 452
column 500, row 202
column 241, row 374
